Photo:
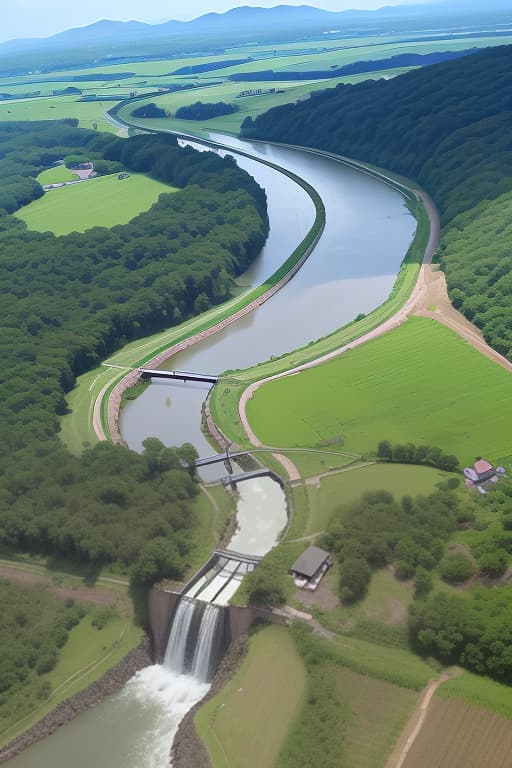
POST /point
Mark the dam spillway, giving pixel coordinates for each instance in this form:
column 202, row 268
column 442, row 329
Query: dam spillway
column 196, row 639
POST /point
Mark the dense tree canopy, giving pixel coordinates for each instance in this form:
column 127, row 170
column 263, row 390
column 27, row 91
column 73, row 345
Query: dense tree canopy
column 377, row 530
column 450, row 127
column 69, row 301
column 34, row 627
column 204, row 111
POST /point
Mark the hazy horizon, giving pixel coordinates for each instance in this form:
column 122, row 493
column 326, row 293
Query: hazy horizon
column 31, row 18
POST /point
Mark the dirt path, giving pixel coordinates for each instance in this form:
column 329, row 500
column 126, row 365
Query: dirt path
column 434, row 302
column 88, row 594
column 415, row 724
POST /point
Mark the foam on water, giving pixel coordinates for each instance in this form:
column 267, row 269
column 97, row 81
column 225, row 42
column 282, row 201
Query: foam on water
column 166, row 696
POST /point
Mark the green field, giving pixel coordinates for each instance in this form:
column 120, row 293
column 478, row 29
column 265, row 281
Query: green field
column 420, row 383
column 376, row 712
column 56, row 175
column 89, row 113
column 343, row 487
column 100, row 202
column 480, row 691
column 245, row 724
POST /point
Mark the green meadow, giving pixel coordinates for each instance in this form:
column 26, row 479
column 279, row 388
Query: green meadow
column 420, row 383
column 101, row 202
column 56, row 175
column 233, row 722
column 90, row 114
column 346, row 486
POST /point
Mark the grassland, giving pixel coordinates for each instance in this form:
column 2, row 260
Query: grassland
column 480, row 691
column 245, row 725
column 376, row 711
column 391, row 388
column 90, row 114
column 100, row 202
column 460, row 735
column 55, row 175
column 343, row 487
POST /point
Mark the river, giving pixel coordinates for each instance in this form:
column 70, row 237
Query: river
column 352, row 270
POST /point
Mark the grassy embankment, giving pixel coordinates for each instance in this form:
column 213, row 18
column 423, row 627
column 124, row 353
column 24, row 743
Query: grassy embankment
column 77, row 428
column 99, row 202
column 232, row 723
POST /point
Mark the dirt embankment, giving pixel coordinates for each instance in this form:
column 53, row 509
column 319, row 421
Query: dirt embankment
column 111, row 682
column 85, row 594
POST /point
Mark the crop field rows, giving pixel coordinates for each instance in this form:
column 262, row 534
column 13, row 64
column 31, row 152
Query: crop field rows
column 459, row 735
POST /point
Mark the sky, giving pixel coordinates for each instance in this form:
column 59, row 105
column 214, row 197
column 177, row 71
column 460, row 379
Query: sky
column 41, row 18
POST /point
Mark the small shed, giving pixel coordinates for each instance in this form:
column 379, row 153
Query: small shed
column 309, row 568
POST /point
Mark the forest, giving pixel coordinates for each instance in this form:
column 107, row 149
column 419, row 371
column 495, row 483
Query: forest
column 67, row 303
column 448, row 126
column 204, row 110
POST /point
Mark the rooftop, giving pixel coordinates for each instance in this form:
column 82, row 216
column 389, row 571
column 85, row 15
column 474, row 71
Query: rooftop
column 310, row 561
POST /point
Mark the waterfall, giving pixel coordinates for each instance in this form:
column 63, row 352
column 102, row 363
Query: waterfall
column 174, row 658
column 194, row 640
column 204, row 657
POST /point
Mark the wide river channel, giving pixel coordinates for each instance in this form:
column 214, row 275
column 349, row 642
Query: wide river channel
column 351, row 271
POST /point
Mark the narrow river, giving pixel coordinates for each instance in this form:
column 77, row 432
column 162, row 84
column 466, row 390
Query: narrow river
column 352, row 270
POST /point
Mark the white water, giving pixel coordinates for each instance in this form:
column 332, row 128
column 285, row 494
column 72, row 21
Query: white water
column 202, row 661
column 174, row 659
column 134, row 727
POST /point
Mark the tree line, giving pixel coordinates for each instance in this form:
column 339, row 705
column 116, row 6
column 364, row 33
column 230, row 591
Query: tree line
column 67, row 303
column 449, row 127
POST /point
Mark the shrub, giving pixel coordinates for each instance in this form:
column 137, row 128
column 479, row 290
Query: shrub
column 354, row 578
column 456, row 568
column 494, row 564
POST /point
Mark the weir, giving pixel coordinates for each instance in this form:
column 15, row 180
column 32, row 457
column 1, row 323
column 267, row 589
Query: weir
column 197, row 640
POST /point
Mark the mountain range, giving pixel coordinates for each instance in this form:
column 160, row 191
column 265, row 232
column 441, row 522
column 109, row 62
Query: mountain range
column 109, row 39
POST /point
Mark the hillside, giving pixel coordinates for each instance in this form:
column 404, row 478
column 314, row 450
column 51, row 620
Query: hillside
column 449, row 127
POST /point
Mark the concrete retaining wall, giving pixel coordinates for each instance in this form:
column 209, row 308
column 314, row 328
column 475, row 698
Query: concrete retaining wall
column 237, row 620
column 162, row 605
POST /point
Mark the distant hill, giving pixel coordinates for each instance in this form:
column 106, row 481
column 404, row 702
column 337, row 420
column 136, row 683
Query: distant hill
column 107, row 39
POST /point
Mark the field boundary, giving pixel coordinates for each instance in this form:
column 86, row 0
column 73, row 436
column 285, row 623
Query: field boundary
column 415, row 723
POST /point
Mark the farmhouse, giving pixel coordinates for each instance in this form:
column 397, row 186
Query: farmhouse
column 482, row 474
column 309, row 569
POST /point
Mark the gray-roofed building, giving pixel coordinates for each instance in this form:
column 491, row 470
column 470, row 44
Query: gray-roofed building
column 310, row 567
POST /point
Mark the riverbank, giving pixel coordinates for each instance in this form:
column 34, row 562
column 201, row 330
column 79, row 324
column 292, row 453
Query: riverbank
column 188, row 749
column 69, row 709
